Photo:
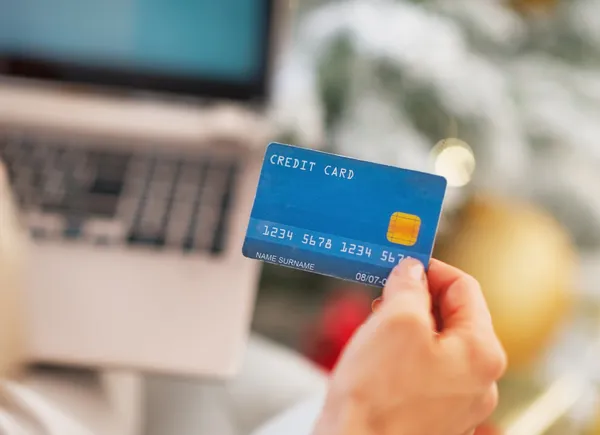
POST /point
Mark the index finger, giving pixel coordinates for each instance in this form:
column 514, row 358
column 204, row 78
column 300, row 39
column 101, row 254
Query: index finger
column 3, row 176
column 459, row 298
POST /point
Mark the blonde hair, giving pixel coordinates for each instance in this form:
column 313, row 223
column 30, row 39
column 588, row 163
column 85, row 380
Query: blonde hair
column 12, row 247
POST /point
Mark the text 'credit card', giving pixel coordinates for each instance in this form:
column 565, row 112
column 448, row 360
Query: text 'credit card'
column 341, row 217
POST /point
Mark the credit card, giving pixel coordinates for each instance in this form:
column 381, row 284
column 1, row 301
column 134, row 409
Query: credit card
column 341, row 217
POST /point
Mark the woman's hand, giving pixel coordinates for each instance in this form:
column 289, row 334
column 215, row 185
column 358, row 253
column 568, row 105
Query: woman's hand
column 425, row 363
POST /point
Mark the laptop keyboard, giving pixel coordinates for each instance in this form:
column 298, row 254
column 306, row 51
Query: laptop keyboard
column 92, row 195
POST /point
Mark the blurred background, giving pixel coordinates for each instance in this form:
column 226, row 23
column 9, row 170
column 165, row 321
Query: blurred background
column 500, row 97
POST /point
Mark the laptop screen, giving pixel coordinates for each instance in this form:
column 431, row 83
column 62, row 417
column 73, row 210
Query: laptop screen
column 213, row 48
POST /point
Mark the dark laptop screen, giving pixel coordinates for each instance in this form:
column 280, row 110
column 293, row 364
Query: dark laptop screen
column 215, row 48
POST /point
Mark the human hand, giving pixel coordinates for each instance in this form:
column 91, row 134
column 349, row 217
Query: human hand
column 425, row 363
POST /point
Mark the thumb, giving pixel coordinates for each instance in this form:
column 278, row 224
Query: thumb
column 406, row 291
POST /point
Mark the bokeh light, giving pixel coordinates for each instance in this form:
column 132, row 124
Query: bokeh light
column 454, row 160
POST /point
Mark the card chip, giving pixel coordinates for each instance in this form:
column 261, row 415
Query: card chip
column 404, row 229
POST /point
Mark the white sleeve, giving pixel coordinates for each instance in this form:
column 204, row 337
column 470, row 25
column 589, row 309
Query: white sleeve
column 11, row 424
column 28, row 413
column 298, row 420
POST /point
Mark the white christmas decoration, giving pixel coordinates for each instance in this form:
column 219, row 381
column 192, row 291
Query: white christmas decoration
column 515, row 88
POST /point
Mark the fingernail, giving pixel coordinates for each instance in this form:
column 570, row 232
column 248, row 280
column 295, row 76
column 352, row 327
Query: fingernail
column 375, row 304
column 411, row 268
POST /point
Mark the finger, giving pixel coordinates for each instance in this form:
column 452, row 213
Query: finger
column 441, row 275
column 482, row 409
column 406, row 291
column 437, row 317
column 408, row 274
column 459, row 297
column 487, row 430
column 488, row 403
column 375, row 304
column 3, row 176
column 484, row 405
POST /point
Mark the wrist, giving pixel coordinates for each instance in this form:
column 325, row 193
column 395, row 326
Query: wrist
column 343, row 417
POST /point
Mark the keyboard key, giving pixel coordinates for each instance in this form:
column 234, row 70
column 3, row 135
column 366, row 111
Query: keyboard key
column 179, row 222
column 47, row 224
column 139, row 238
column 188, row 245
column 72, row 229
column 190, row 237
column 212, row 190
column 104, row 231
column 106, row 187
column 111, row 170
column 219, row 240
column 102, row 205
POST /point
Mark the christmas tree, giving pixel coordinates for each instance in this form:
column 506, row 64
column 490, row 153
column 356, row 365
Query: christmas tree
column 514, row 88
column 518, row 81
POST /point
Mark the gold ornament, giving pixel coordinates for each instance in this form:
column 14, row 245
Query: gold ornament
column 594, row 428
column 524, row 262
column 534, row 6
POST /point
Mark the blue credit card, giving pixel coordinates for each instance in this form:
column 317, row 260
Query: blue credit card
column 341, row 217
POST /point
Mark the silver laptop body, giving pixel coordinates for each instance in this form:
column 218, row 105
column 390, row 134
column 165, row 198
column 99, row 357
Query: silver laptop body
column 136, row 196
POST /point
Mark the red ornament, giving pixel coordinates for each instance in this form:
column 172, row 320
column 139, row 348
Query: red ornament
column 344, row 311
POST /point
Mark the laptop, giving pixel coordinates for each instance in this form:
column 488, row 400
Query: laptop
column 133, row 133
